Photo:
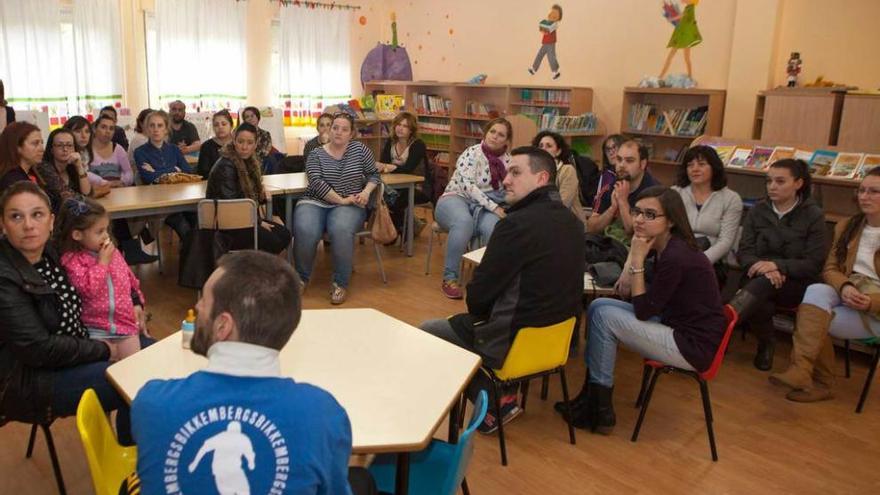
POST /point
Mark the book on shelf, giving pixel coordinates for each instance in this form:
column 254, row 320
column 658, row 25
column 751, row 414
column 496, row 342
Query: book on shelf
column 440, row 158
column 804, row 155
column 432, row 104
column 545, row 96
column 781, row 153
column 760, row 158
column 740, row 157
column 436, row 140
column 478, row 109
column 846, row 165
column 869, row 161
column 387, row 106
column 473, row 129
column 724, row 151
column 821, row 161
column 433, row 125
column 647, row 117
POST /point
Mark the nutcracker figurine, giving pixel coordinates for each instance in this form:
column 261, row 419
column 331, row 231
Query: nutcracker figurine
column 793, row 69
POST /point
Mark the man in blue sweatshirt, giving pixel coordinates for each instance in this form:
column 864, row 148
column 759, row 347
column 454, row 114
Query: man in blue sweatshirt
column 238, row 426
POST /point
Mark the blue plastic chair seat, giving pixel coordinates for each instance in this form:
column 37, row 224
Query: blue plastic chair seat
column 428, row 469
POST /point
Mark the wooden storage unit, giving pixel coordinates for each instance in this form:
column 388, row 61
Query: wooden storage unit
column 465, row 122
column 664, row 147
column 372, row 132
column 860, row 121
column 803, row 115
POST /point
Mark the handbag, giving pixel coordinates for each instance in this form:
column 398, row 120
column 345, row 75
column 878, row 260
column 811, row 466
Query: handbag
column 868, row 286
column 381, row 226
column 200, row 252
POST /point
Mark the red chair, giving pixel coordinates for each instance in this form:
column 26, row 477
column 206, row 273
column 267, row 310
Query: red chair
column 653, row 369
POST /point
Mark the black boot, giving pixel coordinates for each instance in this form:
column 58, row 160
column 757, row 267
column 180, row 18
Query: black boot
column 744, row 302
column 579, row 401
column 764, row 356
column 603, row 419
column 134, row 255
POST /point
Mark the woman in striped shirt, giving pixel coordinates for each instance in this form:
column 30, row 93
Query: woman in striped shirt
column 342, row 174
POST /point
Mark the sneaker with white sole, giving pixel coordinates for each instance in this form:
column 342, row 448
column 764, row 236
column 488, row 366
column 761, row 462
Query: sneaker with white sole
column 510, row 410
column 337, row 294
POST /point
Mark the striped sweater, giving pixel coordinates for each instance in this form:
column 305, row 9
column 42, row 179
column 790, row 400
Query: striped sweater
column 346, row 176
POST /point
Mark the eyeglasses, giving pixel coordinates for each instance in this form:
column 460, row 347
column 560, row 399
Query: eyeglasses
column 867, row 191
column 648, row 214
column 63, row 145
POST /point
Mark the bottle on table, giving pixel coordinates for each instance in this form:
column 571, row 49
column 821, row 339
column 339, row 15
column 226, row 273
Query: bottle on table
column 188, row 328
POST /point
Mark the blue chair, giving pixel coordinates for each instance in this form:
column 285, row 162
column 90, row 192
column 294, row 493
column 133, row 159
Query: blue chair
column 440, row 468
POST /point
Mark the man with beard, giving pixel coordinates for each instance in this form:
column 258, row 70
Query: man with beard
column 296, row 437
column 183, row 133
column 611, row 214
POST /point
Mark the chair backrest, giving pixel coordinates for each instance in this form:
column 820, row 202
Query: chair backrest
column 537, row 349
column 109, row 462
column 732, row 317
column 464, row 449
column 232, row 214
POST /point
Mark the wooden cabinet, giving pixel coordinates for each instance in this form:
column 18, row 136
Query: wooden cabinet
column 810, row 116
column 860, row 122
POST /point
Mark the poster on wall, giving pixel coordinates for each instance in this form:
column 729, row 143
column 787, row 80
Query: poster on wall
column 548, row 28
column 686, row 34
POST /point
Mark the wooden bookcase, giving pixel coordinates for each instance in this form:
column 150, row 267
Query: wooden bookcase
column 664, row 147
column 465, row 124
column 860, row 121
column 804, row 115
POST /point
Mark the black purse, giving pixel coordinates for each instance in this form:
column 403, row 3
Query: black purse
column 199, row 254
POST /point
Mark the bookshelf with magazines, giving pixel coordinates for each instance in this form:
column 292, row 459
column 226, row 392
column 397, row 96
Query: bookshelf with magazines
column 666, row 120
column 452, row 115
column 835, row 170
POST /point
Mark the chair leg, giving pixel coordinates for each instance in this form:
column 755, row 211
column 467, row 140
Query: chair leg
column 525, row 394
column 463, row 410
column 379, row 261
column 503, row 446
column 707, row 411
column 31, row 440
column 430, row 250
column 870, row 379
column 464, row 487
column 545, row 386
column 567, row 403
column 646, row 402
column 646, row 376
column 846, row 358
column 53, row 455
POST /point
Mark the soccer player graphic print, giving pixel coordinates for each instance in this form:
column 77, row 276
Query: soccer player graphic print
column 229, row 447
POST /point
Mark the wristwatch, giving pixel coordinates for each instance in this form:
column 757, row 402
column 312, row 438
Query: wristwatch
column 633, row 271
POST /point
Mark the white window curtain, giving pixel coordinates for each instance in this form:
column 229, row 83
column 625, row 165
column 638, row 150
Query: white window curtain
column 315, row 62
column 201, row 53
column 30, row 55
column 97, row 45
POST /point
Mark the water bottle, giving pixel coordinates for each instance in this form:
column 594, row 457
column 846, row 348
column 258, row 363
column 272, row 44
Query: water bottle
column 188, row 328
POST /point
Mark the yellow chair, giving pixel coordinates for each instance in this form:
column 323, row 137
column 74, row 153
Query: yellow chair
column 109, row 462
column 536, row 352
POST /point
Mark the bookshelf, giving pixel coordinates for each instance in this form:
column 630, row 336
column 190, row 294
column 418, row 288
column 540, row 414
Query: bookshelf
column 665, row 121
column 804, row 115
column 860, row 121
column 447, row 133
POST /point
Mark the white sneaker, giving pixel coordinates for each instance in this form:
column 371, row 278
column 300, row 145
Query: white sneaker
column 337, row 294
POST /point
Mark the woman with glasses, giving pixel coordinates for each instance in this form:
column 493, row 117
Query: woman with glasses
column 677, row 319
column 342, row 174
column 781, row 252
column 63, row 170
column 846, row 306
column 608, row 174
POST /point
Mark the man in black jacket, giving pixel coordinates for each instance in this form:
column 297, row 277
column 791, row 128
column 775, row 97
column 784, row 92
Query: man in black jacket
column 530, row 276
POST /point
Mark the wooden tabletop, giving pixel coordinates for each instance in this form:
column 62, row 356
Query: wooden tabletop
column 396, row 382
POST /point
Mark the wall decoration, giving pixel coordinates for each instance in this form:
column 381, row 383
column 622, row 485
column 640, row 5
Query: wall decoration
column 793, row 68
column 387, row 62
column 686, row 34
column 548, row 27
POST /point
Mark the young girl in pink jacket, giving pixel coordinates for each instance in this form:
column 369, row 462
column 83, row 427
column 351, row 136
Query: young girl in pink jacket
column 112, row 301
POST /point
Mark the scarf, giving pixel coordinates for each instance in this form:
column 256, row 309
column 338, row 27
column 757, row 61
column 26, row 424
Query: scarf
column 497, row 170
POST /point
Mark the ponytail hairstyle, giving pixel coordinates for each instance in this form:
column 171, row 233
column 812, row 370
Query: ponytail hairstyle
column 250, row 176
column 799, row 170
column 854, row 224
column 76, row 214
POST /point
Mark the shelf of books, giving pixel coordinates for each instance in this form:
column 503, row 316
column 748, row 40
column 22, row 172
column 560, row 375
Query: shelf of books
column 666, row 120
column 835, row 171
column 452, row 115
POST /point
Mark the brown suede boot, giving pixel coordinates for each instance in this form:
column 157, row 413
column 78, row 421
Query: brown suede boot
column 822, row 384
column 807, row 342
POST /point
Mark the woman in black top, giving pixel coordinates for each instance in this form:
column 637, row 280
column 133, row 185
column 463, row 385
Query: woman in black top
column 46, row 357
column 209, row 152
column 237, row 175
column 325, row 120
column 21, row 150
column 781, row 252
column 405, row 153
column 82, row 132
column 683, row 294
column 63, row 170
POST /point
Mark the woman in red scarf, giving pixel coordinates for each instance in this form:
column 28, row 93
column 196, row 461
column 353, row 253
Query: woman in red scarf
column 471, row 205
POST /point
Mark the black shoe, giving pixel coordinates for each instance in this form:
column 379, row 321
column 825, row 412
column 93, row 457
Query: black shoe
column 147, row 236
column 134, row 255
column 764, row 357
column 579, row 401
column 603, row 419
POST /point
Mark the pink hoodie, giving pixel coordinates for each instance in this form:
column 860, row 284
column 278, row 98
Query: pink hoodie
column 105, row 291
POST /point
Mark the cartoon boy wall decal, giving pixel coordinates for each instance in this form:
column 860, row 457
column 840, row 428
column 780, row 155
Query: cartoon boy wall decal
column 548, row 27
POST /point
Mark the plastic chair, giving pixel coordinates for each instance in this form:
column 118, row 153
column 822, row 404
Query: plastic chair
column 366, row 233
column 653, row 369
column 536, row 352
column 109, row 462
column 439, row 469
column 230, row 214
column 50, row 444
column 873, row 342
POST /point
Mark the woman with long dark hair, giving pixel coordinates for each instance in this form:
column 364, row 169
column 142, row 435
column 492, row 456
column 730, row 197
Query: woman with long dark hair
column 683, row 294
column 21, row 150
column 566, row 175
column 63, row 171
column 781, row 252
column 82, row 132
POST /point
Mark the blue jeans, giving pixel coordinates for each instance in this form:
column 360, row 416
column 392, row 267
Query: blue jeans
column 463, row 220
column 341, row 223
column 847, row 323
column 612, row 321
